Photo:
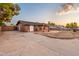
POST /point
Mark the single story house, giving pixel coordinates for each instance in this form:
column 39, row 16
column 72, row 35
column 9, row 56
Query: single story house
column 26, row 26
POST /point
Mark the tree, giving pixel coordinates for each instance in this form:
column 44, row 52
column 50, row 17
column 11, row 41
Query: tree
column 51, row 24
column 8, row 10
column 75, row 25
column 1, row 23
column 72, row 25
column 68, row 25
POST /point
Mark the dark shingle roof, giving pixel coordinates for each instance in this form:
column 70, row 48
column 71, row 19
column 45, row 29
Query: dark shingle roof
column 29, row 23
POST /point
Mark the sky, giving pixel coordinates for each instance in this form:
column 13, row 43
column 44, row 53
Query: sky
column 59, row 13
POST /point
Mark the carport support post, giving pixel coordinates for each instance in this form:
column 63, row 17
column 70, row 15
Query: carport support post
column 42, row 28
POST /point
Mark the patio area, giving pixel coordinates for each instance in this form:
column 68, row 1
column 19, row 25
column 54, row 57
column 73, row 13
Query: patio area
column 14, row 43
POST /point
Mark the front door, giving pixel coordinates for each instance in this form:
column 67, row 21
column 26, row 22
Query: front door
column 31, row 28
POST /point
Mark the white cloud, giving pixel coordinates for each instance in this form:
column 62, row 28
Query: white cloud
column 68, row 8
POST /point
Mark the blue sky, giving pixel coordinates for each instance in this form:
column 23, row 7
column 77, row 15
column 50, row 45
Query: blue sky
column 38, row 12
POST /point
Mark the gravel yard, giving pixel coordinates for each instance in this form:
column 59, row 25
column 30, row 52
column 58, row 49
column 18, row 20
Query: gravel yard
column 14, row 43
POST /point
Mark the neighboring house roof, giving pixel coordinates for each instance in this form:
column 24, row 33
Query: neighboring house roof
column 29, row 23
column 58, row 28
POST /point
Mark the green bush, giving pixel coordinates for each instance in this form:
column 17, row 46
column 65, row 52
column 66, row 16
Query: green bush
column 1, row 23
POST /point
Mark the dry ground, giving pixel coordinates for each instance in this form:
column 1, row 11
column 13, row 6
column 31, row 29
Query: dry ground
column 60, row 34
column 13, row 43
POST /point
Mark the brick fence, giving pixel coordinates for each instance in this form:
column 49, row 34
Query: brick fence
column 8, row 28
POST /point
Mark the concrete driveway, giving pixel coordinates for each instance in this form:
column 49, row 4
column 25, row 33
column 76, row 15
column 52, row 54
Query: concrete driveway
column 14, row 43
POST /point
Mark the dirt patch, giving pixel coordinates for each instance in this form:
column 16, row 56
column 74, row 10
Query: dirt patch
column 61, row 35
